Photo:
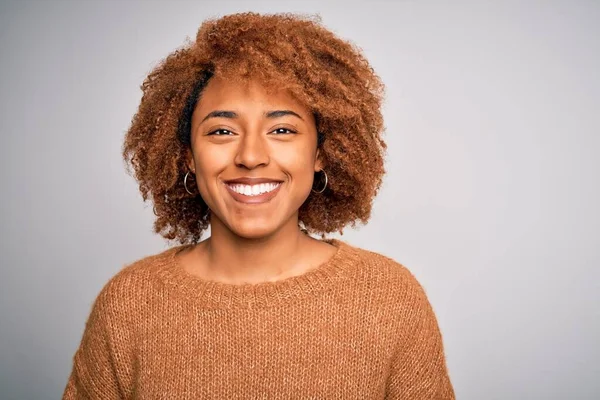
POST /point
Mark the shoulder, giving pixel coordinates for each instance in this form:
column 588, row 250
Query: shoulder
column 394, row 289
column 134, row 283
column 393, row 281
column 383, row 268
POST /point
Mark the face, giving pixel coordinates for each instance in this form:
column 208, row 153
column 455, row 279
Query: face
column 254, row 155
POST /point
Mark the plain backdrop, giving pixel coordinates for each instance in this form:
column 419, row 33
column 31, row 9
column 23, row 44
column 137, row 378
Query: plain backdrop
column 491, row 197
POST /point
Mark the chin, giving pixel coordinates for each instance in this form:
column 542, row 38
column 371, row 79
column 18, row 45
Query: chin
column 253, row 229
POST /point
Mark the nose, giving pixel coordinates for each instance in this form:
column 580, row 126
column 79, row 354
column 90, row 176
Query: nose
column 252, row 151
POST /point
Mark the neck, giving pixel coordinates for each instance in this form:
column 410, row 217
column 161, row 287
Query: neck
column 234, row 259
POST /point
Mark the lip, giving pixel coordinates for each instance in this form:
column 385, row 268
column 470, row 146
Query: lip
column 258, row 199
column 246, row 180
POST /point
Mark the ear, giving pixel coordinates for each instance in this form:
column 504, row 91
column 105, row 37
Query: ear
column 318, row 161
column 189, row 160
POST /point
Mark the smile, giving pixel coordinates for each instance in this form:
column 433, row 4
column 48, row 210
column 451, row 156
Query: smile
column 254, row 190
column 253, row 194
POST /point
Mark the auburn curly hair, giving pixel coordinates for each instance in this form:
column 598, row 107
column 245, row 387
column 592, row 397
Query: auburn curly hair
column 287, row 51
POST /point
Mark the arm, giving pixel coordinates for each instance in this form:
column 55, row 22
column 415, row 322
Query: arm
column 103, row 363
column 418, row 370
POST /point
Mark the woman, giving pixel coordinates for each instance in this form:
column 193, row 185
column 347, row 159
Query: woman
column 266, row 128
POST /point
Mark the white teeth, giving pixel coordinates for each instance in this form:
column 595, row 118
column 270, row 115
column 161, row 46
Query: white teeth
column 254, row 190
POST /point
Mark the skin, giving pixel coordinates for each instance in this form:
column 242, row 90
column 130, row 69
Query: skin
column 260, row 242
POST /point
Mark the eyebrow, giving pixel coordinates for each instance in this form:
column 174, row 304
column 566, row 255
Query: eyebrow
column 281, row 113
column 233, row 115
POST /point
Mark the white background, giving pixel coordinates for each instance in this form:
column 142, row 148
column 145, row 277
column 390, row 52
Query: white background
column 491, row 197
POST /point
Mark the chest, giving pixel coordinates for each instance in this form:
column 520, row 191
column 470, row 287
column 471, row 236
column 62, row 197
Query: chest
column 273, row 353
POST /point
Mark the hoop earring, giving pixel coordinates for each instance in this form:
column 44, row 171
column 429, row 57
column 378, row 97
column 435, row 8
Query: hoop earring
column 322, row 190
column 185, row 183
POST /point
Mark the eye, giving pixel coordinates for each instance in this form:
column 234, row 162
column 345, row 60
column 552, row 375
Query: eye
column 282, row 131
column 220, row 132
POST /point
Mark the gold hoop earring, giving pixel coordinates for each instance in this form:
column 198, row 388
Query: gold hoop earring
column 185, row 183
column 324, row 186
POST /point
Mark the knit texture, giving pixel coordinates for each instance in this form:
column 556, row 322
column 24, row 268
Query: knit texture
column 358, row 326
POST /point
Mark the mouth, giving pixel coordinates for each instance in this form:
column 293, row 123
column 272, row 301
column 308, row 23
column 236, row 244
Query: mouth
column 253, row 194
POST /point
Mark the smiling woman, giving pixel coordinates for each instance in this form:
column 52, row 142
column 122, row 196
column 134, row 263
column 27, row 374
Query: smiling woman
column 293, row 59
column 268, row 129
column 242, row 136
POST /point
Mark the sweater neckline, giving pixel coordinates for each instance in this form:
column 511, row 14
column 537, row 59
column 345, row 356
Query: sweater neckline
column 214, row 294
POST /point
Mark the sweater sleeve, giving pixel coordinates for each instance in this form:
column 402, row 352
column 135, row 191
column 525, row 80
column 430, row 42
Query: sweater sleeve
column 103, row 363
column 419, row 370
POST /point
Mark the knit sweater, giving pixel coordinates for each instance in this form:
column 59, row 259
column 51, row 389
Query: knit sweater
column 358, row 326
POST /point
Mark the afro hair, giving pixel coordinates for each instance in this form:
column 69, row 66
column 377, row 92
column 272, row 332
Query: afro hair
column 288, row 51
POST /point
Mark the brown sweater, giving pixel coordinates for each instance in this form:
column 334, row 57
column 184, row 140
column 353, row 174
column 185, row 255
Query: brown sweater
column 357, row 327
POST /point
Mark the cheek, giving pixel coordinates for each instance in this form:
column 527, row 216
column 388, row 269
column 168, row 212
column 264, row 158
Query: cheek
column 210, row 161
column 297, row 160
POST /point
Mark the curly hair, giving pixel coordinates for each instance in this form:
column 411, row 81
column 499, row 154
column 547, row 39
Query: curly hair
column 285, row 51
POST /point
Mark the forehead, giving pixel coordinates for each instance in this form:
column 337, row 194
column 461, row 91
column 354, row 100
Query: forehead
column 250, row 94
